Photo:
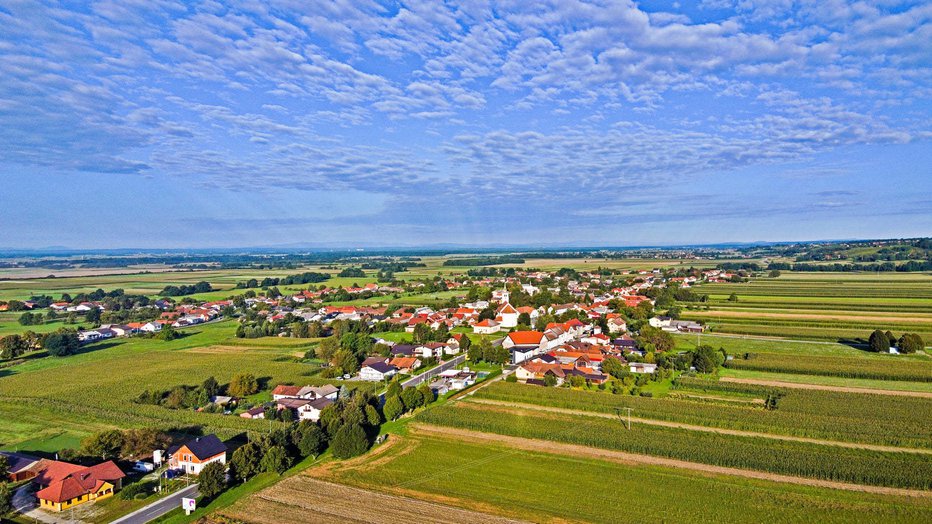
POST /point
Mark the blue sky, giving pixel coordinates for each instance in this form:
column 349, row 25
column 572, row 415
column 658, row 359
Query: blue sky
column 149, row 123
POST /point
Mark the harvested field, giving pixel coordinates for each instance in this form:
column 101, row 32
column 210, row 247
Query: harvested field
column 306, row 500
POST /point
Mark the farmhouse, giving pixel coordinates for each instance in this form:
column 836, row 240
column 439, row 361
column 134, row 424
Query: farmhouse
column 523, row 338
column 21, row 465
column 64, row 485
column 405, row 364
column 193, row 455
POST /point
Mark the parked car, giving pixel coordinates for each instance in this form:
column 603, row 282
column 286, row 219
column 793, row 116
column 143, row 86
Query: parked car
column 143, row 467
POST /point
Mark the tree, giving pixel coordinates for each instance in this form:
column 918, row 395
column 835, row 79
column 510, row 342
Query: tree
column 733, row 297
column 62, row 343
column 774, row 273
column 707, row 359
column 394, row 388
column 92, row 316
column 244, row 464
column 212, row 480
column 393, row 408
column 465, row 343
column 313, row 440
column 910, row 343
column 412, row 398
column 878, row 342
column 655, row 338
column 373, row 419
column 349, row 441
column 168, row 333
column 421, row 333
column 614, row 367
column 276, row 460
column 139, row 442
column 891, row 338
column 12, row 346
column 210, row 386
column 106, row 444
column 243, row 385
column 550, row 380
column 6, row 500
column 4, row 467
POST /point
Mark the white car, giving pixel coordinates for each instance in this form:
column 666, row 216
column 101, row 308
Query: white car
column 143, row 467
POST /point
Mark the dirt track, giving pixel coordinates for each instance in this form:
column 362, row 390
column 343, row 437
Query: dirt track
column 305, row 500
column 820, row 387
column 692, row 427
column 546, row 446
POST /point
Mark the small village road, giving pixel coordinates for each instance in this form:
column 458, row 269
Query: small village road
column 159, row 507
column 430, row 373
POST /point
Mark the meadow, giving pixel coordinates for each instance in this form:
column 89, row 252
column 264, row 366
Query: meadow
column 549, row 487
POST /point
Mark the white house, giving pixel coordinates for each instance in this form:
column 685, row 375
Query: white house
column 311, row 410
column 151, row 327
column 486, row 327
column 193, row 455
column 377, row 371
column 642, row 367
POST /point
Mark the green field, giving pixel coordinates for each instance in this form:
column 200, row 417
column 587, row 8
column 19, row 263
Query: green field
column 859, row 466
column 545, row 487
column 52, row 400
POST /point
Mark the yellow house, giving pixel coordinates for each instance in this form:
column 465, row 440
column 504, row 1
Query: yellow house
column 68, row 485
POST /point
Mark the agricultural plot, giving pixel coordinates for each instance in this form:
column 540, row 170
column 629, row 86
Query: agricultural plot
column 901, row 470
column 820, row 306
column 533, row 485
column 870, row 419
column 887, row 368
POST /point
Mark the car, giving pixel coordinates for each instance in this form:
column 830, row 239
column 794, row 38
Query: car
column 143, row 467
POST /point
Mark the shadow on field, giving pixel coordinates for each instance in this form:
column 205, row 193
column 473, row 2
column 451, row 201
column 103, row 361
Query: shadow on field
column 97, row 346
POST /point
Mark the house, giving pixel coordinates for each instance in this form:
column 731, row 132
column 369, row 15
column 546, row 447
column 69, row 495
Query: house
column 659, row 322
column 642, row 367
column 64, row 485
column 254, row 413
column 507, row 316
column 523, row 338
column 617, row 325
column 284, row 391
column 311, row 410
column 521, row 353
column 486, row 327
column 21, row 465
column 193, row 455
column 405, row 364
column 531, row 312
column 377, row 371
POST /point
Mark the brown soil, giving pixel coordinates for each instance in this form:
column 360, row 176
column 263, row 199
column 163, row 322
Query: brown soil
column 306, row 500
column 557, row 448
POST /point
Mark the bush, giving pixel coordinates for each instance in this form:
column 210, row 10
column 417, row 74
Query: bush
column 212, row 480
column 393, row 408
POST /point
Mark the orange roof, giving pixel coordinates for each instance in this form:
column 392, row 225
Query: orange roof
column 526, row 309
column 486, row 323
column 526, row 337
column 404, row 362
column 78, row 481
column 283, row 389
column 507, row 309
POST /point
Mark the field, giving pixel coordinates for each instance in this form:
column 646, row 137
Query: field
column 50, row 403
column 820, row 306
column 542, row 486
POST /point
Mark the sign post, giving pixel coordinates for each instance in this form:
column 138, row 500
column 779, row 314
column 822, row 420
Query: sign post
column 188, row 505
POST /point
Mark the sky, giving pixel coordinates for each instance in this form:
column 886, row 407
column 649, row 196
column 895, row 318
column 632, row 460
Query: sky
column 162, row 124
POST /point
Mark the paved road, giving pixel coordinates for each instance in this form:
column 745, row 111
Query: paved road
column 417, row 379
column 159, row 507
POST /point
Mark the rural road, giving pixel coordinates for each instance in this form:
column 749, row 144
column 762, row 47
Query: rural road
column 452, row 363
column 158, row 508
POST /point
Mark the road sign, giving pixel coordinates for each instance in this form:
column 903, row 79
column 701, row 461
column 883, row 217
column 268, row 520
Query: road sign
column 188, row 505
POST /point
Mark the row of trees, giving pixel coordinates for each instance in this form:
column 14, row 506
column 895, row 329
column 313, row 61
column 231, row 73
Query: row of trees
column 58, row 344
column 880, row 342
column 177, row 291
column 399, row 401
column 184, row 397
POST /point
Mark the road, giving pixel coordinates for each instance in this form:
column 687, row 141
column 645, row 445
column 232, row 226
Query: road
column 417, row 379
column 159, row 507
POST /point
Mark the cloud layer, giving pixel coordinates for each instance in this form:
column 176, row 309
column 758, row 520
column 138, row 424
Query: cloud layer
column 412, row 101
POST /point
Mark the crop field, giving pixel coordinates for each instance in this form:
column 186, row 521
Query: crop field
column 70, row 397
column 846, row 417
column 890, row 368
column 540, row 486
column 820, row 306
column 857, row 466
